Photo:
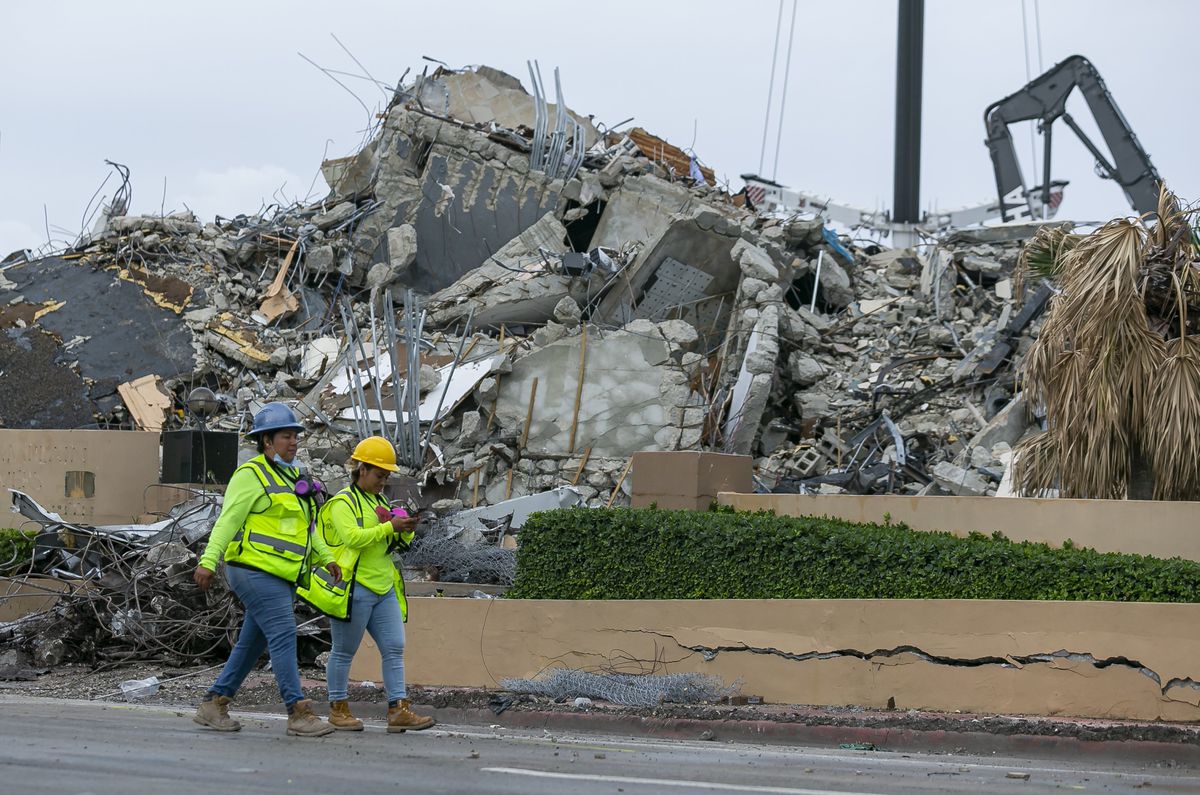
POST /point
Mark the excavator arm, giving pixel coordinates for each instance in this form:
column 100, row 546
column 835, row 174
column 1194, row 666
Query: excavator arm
column 1045, row 100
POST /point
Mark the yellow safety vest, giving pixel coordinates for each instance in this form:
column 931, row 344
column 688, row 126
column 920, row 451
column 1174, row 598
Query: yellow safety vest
column 333, row 597
column 274, row 540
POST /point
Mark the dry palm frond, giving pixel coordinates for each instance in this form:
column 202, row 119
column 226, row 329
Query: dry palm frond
column 1128, row 361
column 1170, row 238
column 1042, row 257
column 1091, row 365
column 1035, row 465
column 1100, row 279
column 1173, row 431
column 1172, row 440
column 1170, row 254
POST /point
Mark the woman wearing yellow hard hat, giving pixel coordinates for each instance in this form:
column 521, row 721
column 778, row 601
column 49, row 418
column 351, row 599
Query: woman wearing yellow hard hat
column 362, row 530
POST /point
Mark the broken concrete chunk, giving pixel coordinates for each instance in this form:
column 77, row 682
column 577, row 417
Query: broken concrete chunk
column 471, row 428
column 513, row 286
column 1008, row 426
column 444, row 507
column 567, row 312
column 804, row 369
column 620, row 408
column 812, row 405
column 320, row 259
column 752, row 287
column 835, row 283
column 812, row 318
column 551, row 332
column 957, row 480
column 765, row 354
column 681, row 335
column 795, row 330
column 198, row 318
column 338, row 214
column 641, row 209
column 429, row 378
column 980, row 457
column 486, row 391
column 754, row 262
column 402, row 247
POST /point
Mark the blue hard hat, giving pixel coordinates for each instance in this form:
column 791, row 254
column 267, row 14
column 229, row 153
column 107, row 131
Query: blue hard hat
column 273, row 417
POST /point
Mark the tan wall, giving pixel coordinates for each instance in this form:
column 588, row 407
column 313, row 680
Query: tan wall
column 476, row 642
column 36, row 462
column 19, row 598
column 1161, row 529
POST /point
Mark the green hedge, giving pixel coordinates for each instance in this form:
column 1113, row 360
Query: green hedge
column 651, row 554
column 16, row 548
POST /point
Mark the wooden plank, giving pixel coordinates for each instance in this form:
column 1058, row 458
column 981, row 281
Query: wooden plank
column 578, row 389
column 582, row 463
column 279, row 299
column 617, row 487
column 528, row 415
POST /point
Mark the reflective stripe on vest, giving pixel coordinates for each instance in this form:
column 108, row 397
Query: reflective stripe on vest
column 277, row 543
column 271, row 485
column 329, row 578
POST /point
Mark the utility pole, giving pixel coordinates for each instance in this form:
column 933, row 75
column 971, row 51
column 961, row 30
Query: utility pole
column 910, row 43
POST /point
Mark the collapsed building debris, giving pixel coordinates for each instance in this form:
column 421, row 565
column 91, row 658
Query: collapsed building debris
column 521, row 299
column 139, row 601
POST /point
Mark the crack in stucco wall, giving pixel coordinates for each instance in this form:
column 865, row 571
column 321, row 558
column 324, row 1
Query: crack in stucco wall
column 710, row 653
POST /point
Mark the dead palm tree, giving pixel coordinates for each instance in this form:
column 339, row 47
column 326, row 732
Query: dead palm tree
column 1121, row 391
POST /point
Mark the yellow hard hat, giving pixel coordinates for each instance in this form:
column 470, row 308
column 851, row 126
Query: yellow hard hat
column 376, row 451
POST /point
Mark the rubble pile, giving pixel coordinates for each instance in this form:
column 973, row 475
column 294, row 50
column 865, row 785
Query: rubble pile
column 911, row 388
column 521, row 299
column 136, row 600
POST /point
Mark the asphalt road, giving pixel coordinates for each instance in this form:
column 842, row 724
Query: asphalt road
column 56, row 746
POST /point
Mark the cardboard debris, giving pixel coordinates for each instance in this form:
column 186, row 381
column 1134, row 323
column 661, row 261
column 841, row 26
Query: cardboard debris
column 279, row 300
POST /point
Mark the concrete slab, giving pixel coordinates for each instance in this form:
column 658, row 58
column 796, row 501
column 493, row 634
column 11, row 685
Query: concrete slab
column 621, row 408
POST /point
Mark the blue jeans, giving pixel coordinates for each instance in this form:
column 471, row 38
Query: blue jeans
column 270, row 624
column 378, row 614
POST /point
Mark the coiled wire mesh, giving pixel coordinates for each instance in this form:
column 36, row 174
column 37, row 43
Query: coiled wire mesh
column 629, row 690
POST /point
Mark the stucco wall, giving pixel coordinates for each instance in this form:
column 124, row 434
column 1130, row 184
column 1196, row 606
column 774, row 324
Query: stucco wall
column 1161, row 529
column 1039, row 658
column 123, row 464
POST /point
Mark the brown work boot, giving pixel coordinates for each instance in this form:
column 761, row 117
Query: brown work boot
column 401, row 718
column 303, row 723
column 341, row 719
column 214, row 713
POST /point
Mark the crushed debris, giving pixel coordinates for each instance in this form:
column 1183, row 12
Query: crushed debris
column 522, row 299
column 136, row 598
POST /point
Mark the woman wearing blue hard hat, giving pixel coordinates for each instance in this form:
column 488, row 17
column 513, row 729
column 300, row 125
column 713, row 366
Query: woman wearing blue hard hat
column 264, row 534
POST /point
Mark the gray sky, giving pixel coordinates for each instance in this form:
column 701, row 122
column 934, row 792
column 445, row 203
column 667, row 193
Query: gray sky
column 212, row 97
